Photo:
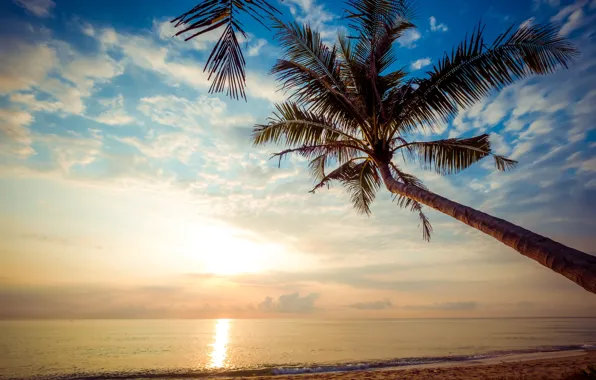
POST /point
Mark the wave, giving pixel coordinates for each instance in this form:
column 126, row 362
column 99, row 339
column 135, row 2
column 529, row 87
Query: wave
column 301, row 368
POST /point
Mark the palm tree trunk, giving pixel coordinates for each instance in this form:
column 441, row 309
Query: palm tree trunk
column 577, row 266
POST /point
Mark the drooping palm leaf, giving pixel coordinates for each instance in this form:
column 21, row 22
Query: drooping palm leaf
column 408, row 203
column 473, row 70
column 450, row 156
column 343, row 173
column 363, row 186
column 226, row 61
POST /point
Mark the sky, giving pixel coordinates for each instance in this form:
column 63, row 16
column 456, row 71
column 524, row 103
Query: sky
column 129, row 191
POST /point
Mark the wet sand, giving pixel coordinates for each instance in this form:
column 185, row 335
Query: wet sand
column 556, row 365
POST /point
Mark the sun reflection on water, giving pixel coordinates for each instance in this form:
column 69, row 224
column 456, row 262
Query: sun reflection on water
column 220, row 343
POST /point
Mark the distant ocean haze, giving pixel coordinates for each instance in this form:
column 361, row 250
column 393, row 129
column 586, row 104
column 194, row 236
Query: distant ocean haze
column 111, row 347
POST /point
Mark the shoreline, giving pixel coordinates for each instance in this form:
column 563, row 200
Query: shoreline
column 555, row 362
column 528, row 366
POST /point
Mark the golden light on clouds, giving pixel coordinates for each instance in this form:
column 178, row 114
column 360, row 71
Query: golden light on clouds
column 220, row 343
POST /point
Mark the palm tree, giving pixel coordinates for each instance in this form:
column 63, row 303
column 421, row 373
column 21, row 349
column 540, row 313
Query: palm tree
column 348, row 108
column 226, row 61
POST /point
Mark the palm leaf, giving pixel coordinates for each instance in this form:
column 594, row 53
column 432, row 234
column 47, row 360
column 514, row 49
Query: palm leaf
column 369, row 17
column 310, row 70
column 473, row 70
column 451, row 156
column 339, row 151
column 409, row 203
column 226, row 61
column 295, row 126
column 363, row 185
column 345, row 172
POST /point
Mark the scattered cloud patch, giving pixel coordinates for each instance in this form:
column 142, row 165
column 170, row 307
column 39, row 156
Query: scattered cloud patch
column 255, row 48
column 437, row 27
column 374, row 305
column 15, row 135
column 39, row 8
column 409, row 38
column 193, row 115
column 574, row 17
column 176, row 145
column 24, row 65
column 420, row 63
column 446, row 306
column 289, row 303
column 114, row 113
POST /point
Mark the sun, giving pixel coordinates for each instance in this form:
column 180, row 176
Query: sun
column 223, row 250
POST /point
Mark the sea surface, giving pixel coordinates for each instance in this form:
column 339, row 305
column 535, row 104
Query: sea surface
column 130, row 349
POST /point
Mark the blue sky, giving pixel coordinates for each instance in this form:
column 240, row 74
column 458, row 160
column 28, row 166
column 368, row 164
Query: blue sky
column 124, row 180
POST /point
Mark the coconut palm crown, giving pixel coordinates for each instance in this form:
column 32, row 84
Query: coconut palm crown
column 350, row 112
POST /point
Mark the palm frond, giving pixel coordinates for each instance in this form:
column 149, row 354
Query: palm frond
column 340, row 151
column 369, row 17
column 451, row 156
column 295, row 126
column 361, row 180
column 377, row 24
column 303, row 45
column 473, row 70
column 310, row 71
column 363, row 186
column 343, row 173
column 226, row 61
column 411, row 204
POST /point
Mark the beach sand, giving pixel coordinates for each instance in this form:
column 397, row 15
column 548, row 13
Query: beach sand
column 557, row 365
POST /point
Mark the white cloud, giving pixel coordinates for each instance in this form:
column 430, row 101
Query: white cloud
column 437, row 27
column 568, row 10
column 319, row 18
column 537, row 128
column 499, row 145
column 195, row 115
column 420, row 63
column 56, row 72
column 16, row 137
column 588, row 165
column 148, row 54
column 69, row 151
column 24, row 65
column 113, row 113
column 255, row 48
column 521, row 148
column 39, row 8
column 409, row 38
column 165, row 145
column 575, row 20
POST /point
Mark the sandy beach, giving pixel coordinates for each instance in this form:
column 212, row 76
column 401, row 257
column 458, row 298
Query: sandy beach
column 558, row 365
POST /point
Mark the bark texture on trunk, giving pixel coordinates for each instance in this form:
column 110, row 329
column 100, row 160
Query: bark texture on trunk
column 576, row 265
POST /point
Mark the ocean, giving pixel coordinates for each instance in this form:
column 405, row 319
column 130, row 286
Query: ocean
column 131, row 349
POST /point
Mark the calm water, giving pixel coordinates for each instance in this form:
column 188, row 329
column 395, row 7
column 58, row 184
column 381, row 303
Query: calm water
column 117, row 347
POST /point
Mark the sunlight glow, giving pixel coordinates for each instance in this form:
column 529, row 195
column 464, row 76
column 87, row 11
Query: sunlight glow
column 220, row 343
column 226, row 251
